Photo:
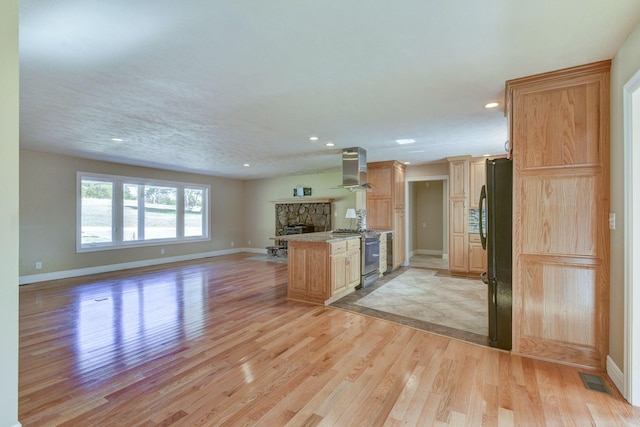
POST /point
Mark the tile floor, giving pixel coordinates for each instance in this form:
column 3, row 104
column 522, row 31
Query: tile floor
column 429, row 261
column 428, row 298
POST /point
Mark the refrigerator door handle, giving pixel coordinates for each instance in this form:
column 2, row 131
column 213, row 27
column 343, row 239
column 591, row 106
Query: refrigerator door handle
column 484, row 278
column 483, row 235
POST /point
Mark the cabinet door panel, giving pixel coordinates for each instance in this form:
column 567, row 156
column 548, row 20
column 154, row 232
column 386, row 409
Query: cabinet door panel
column 459, row 178
column 379, row 214
column 381, row 180
column 477, row 258
column 353, row 269
column 399, row 239
column 458, row 258
column 339, row 272
column 317, row 277
column 458, row 216
column 477, row 178
column 399, row 183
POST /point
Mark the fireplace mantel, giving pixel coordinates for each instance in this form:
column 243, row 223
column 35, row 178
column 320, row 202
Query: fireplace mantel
column 297, row 200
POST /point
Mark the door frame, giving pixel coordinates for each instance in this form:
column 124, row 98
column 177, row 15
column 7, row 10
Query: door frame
column 631, row 94
column 445, row 199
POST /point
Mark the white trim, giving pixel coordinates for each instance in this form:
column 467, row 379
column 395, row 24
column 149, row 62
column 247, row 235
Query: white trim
column 631, row 383
column 17, row 425
column 117, row 239
column 34, row 278
column 615, row 373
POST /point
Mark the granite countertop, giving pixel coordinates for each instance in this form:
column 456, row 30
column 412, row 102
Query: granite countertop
column 323, row 236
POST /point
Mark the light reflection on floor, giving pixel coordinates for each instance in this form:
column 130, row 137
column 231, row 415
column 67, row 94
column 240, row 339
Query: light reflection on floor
column 132, row 313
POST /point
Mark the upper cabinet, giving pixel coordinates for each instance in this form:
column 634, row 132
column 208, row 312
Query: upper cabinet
column 458, row 177
column 559, row 133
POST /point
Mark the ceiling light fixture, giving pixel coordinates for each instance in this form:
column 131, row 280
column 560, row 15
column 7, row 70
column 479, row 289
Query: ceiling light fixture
column 329, row 144
column 246, row 165
column 407, row 163
column 486, row 155
column 405, row 141
column 491, row 105
column 313, row 138
column 117, row 139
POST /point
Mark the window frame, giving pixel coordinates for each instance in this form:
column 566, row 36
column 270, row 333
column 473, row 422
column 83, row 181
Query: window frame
column 117, row 216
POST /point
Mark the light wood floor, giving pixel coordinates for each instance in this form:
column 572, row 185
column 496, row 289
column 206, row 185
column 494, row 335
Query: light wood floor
column 215, row 342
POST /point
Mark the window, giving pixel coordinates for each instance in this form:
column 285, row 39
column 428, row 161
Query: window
column 116, row 212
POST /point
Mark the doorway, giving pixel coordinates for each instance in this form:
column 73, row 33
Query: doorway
column 632, row 239
column 428, row 224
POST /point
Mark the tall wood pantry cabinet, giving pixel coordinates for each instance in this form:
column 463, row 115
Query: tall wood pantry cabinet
column 386, row 203
column 459, row 214
column 466, row 178
column 559, row 133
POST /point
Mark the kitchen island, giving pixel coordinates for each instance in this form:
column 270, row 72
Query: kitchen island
column 323, row 267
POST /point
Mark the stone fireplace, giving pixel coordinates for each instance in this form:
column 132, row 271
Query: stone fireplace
column 314, row 214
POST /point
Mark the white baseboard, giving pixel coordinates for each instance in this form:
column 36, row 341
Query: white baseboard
column 615, row 374
column 34, row 278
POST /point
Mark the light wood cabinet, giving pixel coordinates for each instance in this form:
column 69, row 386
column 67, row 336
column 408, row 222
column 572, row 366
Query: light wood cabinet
column 559, row 133
column 477, row 177
column 379, row 213
column 321, row 272
column 458, row 177
column 477, row 255
column 458, row 214
column 386, row 204
column 399, row 241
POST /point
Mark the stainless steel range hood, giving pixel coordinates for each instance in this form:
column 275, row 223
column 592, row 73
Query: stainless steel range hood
column 354, row 169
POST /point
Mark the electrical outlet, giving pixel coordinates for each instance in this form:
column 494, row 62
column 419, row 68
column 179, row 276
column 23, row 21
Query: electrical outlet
column 249, row 242
column 162, row 251
column 612, row 221
column 38, row 265
column 232, row 243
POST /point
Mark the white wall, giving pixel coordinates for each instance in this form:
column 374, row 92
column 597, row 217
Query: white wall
column 625, row 64
column 9, row 143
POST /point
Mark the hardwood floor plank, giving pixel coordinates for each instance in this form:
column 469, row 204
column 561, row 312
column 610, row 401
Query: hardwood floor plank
column 216, row 342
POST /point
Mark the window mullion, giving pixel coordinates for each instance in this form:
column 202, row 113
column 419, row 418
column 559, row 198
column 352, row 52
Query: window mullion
column 117, row 204
column 180, row 213
column 141, row 212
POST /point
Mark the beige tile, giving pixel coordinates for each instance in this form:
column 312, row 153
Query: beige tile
column 420, row 294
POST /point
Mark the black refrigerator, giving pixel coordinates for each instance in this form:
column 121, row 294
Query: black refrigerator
column 496, row 204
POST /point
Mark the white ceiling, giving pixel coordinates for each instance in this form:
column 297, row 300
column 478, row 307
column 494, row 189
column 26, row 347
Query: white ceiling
column 208, row 85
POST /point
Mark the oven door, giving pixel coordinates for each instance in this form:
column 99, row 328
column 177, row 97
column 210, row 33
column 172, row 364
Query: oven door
column 371, row 255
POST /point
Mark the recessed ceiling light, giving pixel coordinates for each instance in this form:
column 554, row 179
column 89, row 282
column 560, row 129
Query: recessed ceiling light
column 405, row 141
column 407, row 163
column 246, row 165
column 329, row 144
column 491, row 105
column 313, row 138
column 117, row 139
column 486, row 155
column 417, row 151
